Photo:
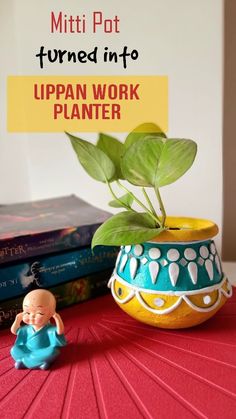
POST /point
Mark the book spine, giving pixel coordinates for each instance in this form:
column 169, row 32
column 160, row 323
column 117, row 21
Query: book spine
column 30, row 245
column 53, row 270
column 67, row 294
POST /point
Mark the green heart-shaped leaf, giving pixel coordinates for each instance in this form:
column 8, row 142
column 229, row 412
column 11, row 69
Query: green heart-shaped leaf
column 139, row 163
column 157, row 162
column 126, row 200
column 176, row 158
column 96, row 163
column 113, row 149
column 126, row 228
column 142, row 131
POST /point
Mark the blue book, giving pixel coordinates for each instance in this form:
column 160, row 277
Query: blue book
column 52, row 270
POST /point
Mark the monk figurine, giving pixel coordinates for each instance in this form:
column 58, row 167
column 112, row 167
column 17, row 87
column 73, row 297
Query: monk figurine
column 37, row 342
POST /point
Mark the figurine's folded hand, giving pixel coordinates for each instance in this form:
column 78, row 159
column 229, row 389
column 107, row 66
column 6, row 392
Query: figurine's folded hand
column 19, row 317
column 59, row 323
column 17, row 322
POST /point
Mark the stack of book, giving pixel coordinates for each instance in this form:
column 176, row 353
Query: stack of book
column 47, row 244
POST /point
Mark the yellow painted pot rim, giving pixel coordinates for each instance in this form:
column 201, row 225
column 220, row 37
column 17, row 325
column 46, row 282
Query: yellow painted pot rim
column 190, row 229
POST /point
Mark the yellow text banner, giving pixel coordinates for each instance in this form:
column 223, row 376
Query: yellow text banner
column 86, row 103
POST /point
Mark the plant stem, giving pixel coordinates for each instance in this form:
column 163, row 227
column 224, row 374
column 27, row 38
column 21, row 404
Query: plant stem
column 150, row 204
column 161, row 206
column 139, row 202
column 117, row 199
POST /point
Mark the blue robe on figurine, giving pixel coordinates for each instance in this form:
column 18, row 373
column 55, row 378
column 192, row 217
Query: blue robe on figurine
column 36, row 349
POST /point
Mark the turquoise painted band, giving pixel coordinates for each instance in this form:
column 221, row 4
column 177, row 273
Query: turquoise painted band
column 170, row 266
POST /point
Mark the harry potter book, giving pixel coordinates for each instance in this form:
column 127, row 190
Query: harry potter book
column 42, row 227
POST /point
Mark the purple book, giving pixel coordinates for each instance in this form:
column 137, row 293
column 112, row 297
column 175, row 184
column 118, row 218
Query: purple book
column 42, row 227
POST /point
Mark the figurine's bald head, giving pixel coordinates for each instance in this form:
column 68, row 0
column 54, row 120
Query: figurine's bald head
column 38, row 307
column 40, row 298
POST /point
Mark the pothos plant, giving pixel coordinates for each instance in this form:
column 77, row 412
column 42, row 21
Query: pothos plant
column 147, row 159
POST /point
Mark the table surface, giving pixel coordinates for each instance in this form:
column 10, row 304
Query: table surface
column 115, row 367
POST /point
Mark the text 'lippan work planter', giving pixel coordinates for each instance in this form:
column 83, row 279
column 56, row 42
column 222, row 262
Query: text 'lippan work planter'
column 168, row 273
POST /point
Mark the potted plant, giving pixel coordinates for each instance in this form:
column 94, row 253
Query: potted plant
column 168, row 272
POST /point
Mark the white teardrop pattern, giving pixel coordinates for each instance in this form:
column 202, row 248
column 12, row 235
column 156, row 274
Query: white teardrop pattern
column 217, row 261
column 127, row 248
column 173, row 273
column 123, row 262
column 213, row 248
column 133, row 267
column 153, row 269
column 118, row 259
column 209, row 268
column 193, row 272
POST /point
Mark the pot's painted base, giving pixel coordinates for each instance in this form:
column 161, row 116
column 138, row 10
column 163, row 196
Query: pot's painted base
column 176, row 311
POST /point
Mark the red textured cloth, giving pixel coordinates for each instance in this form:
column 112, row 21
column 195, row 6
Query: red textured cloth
column 115, row 367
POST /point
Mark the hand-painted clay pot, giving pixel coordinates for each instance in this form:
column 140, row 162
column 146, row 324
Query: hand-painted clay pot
column 175, row 281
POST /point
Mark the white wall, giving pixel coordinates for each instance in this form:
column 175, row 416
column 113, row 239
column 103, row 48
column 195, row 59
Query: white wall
column 181, row 39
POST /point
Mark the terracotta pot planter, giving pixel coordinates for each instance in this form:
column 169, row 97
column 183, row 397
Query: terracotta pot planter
column 175, row 281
